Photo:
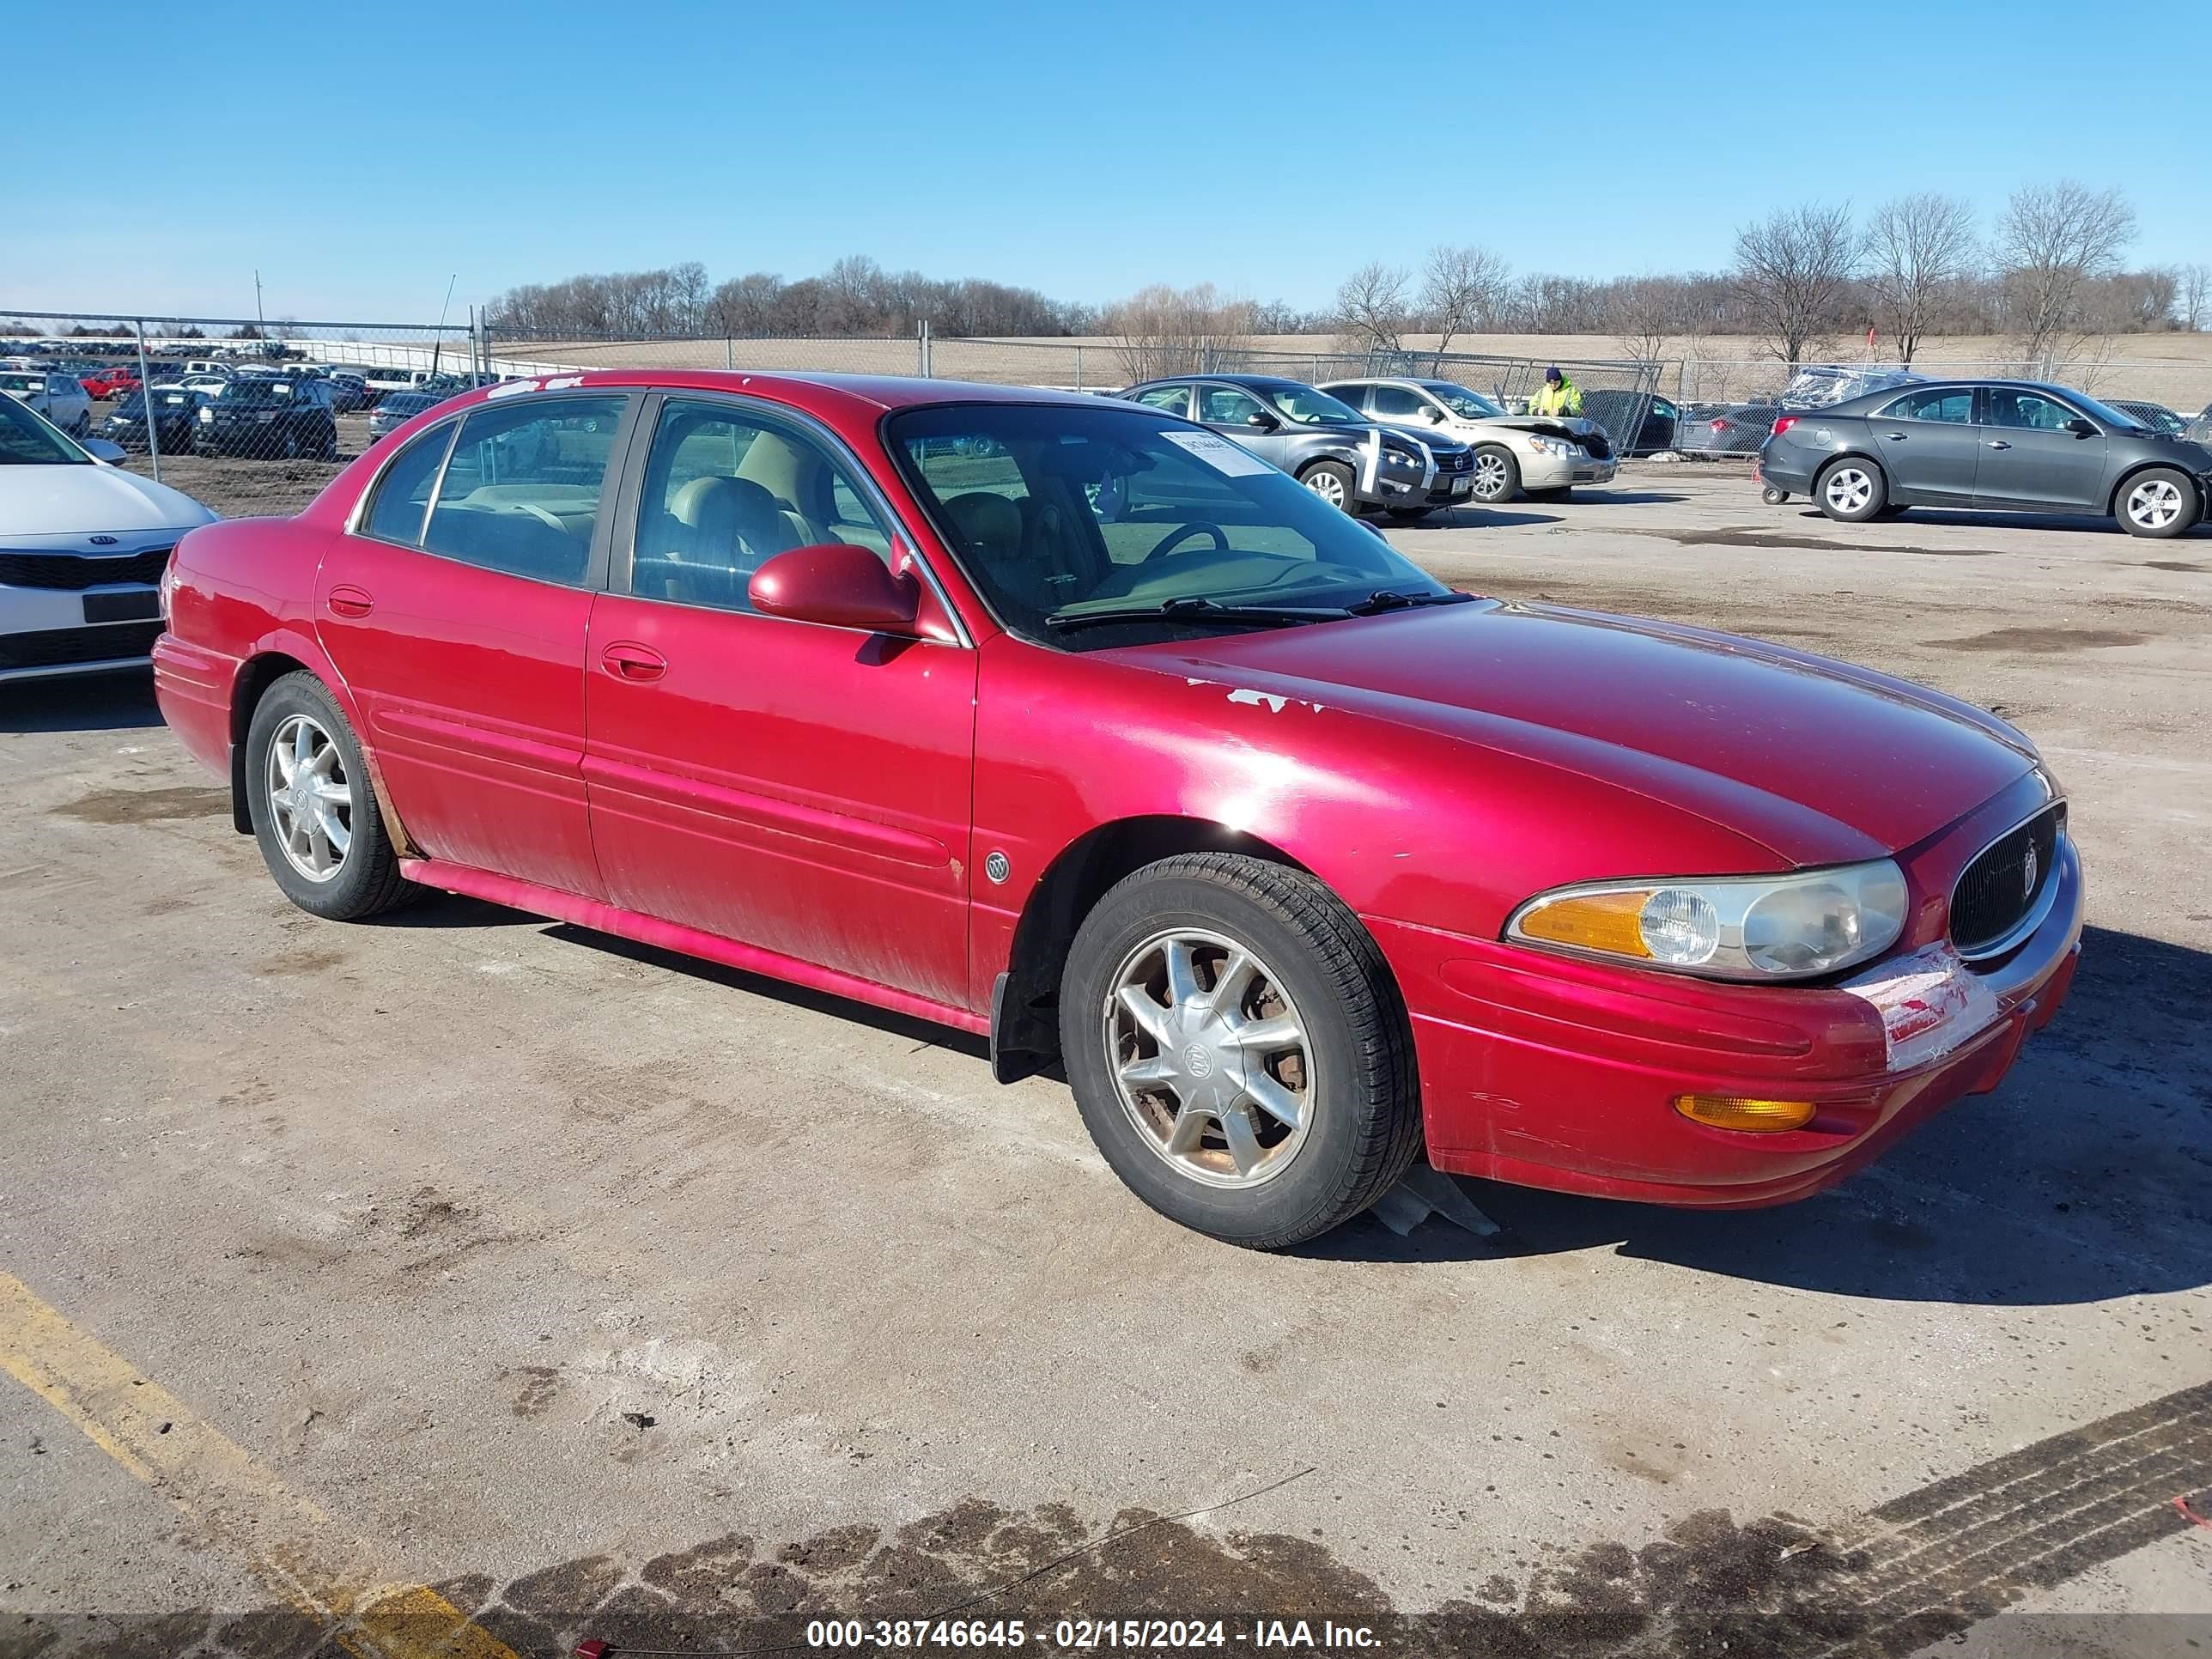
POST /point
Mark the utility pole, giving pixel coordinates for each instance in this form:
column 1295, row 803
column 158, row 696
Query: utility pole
column 259, row 321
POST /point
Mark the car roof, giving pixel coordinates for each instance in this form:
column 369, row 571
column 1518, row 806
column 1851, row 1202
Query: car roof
column 860, row 395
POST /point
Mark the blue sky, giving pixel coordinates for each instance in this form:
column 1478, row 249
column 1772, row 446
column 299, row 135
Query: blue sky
column 359, row 155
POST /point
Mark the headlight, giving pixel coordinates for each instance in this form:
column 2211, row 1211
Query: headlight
column 1747, row 927
column 207, row 414
column 1551, row 445
column 1400, row 457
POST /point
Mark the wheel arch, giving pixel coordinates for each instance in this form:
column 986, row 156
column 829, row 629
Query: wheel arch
column 2138, row 468
column 276, row 656
column 1025, row 1004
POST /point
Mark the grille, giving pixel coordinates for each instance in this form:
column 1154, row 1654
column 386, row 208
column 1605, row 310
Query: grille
column 80, row 570
column 1598, row 447
column 2000, row 886
column 52, row 647
column 1460, row 462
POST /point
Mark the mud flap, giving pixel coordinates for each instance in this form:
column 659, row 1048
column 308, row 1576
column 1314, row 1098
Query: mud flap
column 1023, row 1042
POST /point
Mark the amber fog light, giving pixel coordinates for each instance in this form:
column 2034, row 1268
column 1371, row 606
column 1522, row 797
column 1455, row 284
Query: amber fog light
column 1742, row 1112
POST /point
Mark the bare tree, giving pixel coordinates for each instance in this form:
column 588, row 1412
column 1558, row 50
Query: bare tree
column 1371, row 306
column 1644, row 312
column 2194, row 296
column 2051, row 241
column 1918, row 249
column 1460, row 287
column 1792, row 269
column 1171, row 331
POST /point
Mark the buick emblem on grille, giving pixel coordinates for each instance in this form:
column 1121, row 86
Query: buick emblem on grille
column 2027, row 873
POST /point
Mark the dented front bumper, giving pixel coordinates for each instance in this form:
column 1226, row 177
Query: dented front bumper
column 1556, row 1073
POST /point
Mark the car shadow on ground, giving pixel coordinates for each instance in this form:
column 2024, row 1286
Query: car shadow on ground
column 1601, row 497
column 2087, row 1176
column 82, row 702
column 2078, row 523
column 1477, row 517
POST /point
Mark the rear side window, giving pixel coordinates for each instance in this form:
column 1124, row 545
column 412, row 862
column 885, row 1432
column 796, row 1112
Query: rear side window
column 1938, row 405
column 403, row 493
column 521, row 493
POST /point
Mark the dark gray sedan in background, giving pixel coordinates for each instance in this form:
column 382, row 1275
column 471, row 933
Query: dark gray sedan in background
column 2011, row 446
column 1348, row 460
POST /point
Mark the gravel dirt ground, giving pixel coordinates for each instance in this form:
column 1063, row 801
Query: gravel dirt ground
column 608, row 1294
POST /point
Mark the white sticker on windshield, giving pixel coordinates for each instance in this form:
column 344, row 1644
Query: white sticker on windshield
column 1219, row 453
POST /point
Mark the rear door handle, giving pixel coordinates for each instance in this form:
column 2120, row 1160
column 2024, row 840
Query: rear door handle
column 1998, row 443
column 626, row 661
column 346, row 600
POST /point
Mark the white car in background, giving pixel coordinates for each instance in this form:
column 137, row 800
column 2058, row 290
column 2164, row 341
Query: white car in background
column 1544, row 455
column 60, row 398
column 83, row 546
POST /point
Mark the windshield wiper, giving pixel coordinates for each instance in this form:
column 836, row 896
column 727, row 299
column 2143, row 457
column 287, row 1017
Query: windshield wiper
column 1386, row 599
column 1200, row 609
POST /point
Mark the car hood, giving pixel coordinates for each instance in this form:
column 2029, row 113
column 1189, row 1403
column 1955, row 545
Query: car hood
column 1820, row 761
column 69, row 502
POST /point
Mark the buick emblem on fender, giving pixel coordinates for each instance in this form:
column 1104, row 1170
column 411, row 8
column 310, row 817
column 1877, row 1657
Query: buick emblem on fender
column 2027, row 875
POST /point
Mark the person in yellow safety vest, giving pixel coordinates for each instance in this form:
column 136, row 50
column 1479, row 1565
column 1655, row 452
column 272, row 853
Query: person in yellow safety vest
column 1560, row 395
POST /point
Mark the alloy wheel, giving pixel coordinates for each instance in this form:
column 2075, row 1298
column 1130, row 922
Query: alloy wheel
column 1210, row 1057
column 2154, row 503
column 1489, row 478
column 1848, row 489
column 1328, row 486
column 310, row 799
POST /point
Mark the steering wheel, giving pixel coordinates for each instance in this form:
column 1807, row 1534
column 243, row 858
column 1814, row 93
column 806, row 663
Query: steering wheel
column 1182, row 535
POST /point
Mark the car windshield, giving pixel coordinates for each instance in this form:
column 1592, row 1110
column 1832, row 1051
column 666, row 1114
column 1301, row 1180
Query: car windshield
column 26, row 441
column 1308, row 407
column 1059, row 511
column 1467, row 405
column 255, row 390
column 2105, row 412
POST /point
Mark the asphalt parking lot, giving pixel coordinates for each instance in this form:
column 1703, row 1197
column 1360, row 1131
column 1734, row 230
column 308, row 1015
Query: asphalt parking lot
column 609, row 1294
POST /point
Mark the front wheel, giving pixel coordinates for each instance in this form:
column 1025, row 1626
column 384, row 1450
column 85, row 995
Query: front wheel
column 1851, row 491
column 1332, row 481
column 313, row 811
column 1496, row 475
column 2159, row 503
column 1237, row 1049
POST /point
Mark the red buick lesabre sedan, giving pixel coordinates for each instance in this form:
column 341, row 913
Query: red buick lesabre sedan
column 1064, row 720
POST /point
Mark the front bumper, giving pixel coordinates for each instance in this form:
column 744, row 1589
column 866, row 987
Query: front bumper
column 1560, row 1074
column 1539, row 470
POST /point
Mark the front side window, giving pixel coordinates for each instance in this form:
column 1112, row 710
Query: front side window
column 1122, row 510
column 725, row 492
column 1937, row 405
column 1397, row 403
column 1310, row 406
column 26, row 441
column 521, row 492
column 1225, row 406
column 2030, row 410
column 403, row 493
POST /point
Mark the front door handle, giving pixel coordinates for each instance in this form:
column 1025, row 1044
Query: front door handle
column 1998, row 443
column 346, row 600
column 633, row 662
column 1894, row 437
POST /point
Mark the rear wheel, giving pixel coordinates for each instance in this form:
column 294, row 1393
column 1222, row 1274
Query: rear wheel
column 313, row 811
column 1851, row 490
column 2159, row 502
column 1332, row 481
column 1237, row 1049
column 1496, row 475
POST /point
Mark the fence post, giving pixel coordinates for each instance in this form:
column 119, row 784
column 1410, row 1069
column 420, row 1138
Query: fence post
column 921, row 347
column 146, row 402
column 1079, row 368
column 729, row 352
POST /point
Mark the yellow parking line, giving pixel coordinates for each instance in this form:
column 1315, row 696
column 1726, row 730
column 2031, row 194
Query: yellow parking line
column 288, row 1543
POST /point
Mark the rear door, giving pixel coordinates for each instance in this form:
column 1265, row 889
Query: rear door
column 2030, row 458
column 1927, row 443
column 802, row 788
column 456, row 608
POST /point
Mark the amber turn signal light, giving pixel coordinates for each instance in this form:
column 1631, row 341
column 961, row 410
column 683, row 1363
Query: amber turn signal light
column 1739, row 1112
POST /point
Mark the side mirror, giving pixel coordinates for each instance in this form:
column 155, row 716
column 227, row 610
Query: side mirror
column 2081, row 428
column 836, row 584
column 1259, row 421
column 100, row 450
column 1436, row 416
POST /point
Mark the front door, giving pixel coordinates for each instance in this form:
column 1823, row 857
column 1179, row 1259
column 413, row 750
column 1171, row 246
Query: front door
column 1927, row 443
column 1229, row 411
column 456, row 613
column 798, row 788
column 2030, row 458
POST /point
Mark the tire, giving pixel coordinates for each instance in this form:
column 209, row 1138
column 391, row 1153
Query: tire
column 1496, row 476
column 329, row 451
column 2158, row 502
column 1851, row 490
column 363, row 878
column 1894, row 510
column 289, row 447
column 1332, row 482
column 1343, row 1063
